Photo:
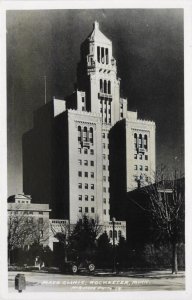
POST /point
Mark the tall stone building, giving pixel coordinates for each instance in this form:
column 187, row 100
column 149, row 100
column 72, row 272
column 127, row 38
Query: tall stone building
column 88, row 150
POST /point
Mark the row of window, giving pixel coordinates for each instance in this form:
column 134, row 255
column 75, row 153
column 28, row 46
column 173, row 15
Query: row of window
column 86, row 198
column 103, row 55
column 141, row 168
column 85, row 162
column 105, row 120
column 140, row 156
column 141, row 177
column 27, row 212
column 105, row 110
column 105, row 189
column 86, row 209
column 105, row 156
column 104, row 135
column 85, row 151
column 85, row 134
column 105, row 146
column 86, row 174
column 80, row 186
column 140, row 140
column 105, row 178
column 105, row 167
column 115, row 234
column 105, row 86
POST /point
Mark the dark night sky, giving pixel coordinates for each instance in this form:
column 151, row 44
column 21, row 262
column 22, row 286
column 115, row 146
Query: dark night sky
column 148, row 47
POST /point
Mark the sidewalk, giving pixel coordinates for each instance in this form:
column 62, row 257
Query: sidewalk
column 143, row 274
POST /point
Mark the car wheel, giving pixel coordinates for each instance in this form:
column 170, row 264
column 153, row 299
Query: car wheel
column 91, row 267
column 74, row 269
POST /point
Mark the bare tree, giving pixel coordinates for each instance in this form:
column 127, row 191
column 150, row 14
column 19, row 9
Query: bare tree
column 166, row 206
column 24, row 230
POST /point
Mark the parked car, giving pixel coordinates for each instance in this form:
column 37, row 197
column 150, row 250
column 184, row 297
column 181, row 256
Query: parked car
column 76, row 266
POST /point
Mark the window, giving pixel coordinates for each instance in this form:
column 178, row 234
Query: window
column 104, row 211
column 103, row 135
column 92, row 198
column 91, row 135
column 110, row 234
column 102, row 55
column 92, row 151
column 83, row 108
column 135, row 140
column 92, row 209
column 80, row 174
column 119, row 233
column 104, row 156
column 80, row 209
column 41, row 212
column 104, row 167
column 86, row 186
column 92, row 175
column 92, row 186
column 79, row 133
column 104, row 178
column 85, row 134
column 85, row 162
column 85, row 151
column 92, row 163
column 98, row 54
column 135, row 156
column 140, row 156
column 79, row 162
column 86, row 174
column 146, row 179
column 83, row 99
column 79, row 150
column 115, row 234
column 135, row 167
column 104, row 200
column 104, row 189
column 86, row 209
column 80, row 197
column 107, row 55
column 141, row 168
column 109, row 87
column 146, row 168
column 101, row 85
column 105, row 86
column 146, row 157
column 103, row 146
column 145, row 141
column 80, row 185
column 86, row 197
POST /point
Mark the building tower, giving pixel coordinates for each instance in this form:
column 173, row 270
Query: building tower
column 97, row 149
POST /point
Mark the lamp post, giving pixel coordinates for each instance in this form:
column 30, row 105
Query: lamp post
column 114, row 258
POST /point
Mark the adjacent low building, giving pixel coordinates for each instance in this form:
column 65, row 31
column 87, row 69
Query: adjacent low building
column 27, row 222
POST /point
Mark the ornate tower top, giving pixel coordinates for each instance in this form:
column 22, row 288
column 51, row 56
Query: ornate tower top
column 97, row 36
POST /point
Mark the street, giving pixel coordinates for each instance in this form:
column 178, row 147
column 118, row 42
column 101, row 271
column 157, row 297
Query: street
column 46, row 282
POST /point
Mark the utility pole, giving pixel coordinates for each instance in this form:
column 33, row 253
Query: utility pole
column 114, row 254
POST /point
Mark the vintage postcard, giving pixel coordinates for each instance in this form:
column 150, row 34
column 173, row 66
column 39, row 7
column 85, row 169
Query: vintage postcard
column 94, row 148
